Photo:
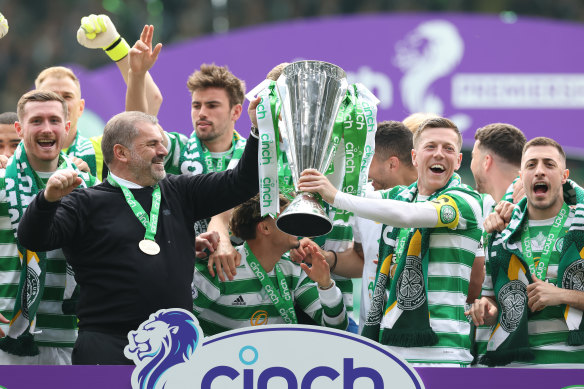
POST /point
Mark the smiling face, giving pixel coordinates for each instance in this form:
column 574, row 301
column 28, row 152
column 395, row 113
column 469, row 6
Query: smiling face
column 146, row 156
column 543, row 172
column 43, row 130
column 436, row 157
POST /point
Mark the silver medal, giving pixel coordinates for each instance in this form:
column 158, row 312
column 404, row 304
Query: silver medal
column 149, row 247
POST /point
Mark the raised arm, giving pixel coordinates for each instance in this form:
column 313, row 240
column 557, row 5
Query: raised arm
column 46, row 225
column 141, row 58
column 99, row 32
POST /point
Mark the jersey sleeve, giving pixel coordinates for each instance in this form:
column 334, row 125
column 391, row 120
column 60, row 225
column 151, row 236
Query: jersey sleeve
column 458, row 209
column 205, row 288
column 326, row 307
column 176, row 144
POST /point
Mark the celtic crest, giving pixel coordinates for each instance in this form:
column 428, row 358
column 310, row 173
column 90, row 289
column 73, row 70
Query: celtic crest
column 447, row 214
column 574, row 276
column 410, row 285
column 513, row 299
column 30, row 291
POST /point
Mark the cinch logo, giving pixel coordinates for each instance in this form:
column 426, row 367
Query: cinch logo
column 249, row 355
column 170, row 353
column 259, row 318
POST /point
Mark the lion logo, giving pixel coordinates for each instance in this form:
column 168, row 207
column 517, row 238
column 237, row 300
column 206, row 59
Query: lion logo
column 168, row 338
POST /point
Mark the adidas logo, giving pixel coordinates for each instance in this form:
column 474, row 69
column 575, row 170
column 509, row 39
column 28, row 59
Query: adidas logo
column 238, row 301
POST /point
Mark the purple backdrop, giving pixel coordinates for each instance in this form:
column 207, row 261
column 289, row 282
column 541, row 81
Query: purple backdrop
column 118, row 377
column 473, row 69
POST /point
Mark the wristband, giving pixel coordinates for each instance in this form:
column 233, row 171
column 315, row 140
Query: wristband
column 118, row 50
column 332, row 268
column 255, row 132
column 328, row 287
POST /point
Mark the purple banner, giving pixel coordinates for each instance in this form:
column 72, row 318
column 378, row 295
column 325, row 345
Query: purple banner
column 473, row 69
column 118, row 377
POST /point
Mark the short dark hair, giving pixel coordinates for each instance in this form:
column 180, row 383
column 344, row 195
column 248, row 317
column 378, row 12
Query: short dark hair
column 394, row 139
column 502, row 139
column 543, row 141
column 121, row 130
column 213, row 76
column 8, row 118
column 247, row 215
column 437, row 123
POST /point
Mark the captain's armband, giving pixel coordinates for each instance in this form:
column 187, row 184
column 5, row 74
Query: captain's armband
column 448, row 214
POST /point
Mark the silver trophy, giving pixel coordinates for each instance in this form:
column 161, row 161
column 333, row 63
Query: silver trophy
column 311, row 93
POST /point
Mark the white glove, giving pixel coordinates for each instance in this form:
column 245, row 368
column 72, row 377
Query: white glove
column 98, row 32
column 3, row 26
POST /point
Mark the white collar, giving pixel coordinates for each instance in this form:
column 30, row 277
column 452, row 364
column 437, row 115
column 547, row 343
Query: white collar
column 126, row 183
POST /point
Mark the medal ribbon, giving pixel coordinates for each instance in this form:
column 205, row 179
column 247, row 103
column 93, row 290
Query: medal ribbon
column 548, row 248
column 150, row 223
column 280, row 297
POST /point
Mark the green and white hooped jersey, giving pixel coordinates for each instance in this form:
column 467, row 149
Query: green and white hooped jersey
column 339, row 240
column 452, row 253
column 57, row 329
column 176, row 145
column 547, row 328
column 243, row 302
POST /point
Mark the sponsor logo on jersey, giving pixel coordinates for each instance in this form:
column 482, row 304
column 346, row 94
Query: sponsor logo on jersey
column 259, row 318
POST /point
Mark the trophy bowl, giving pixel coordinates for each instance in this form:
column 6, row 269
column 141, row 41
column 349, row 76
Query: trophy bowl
column 311, row 93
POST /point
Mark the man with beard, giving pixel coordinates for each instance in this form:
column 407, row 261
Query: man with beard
column 432, row 229
column 214, row 146
column 129, row 240
column 265, row 266
column 533, row 294
column 495, row 164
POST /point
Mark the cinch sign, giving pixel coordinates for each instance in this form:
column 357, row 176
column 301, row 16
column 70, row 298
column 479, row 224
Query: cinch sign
column 170, row 352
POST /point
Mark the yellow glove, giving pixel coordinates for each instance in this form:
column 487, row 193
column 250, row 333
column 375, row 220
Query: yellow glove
column 3, row 26
column 98, row 32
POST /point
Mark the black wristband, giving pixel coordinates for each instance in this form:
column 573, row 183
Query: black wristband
column 255, row 132
column 332, row 268
column 117, row 42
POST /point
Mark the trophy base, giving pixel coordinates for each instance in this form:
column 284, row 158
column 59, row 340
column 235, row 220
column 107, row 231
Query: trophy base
column 304, row 217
